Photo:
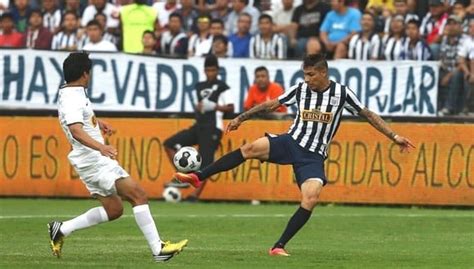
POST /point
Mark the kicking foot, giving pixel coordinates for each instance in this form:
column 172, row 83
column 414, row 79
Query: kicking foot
column 56, row 237
column 190, row 178
column 169, row 250
column 278, row 252
column 177, row 184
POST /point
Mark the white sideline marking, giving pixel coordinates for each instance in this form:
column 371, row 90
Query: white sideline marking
column 398, row 215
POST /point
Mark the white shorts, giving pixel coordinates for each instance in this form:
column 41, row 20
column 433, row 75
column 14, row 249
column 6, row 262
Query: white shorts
column 100, row 178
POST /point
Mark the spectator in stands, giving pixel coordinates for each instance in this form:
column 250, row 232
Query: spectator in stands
column 393, row 42
column 101, row 6
column 20, row 11
column 414, row 47
column 51, row 16
column 149, row 43
column 366, row 45
column 200, row 43
column 460, row 10
column 189, row 15
column 174, row 42
column 313, row 46
column 238, row 8
column 221, row 10
column 95, row 36
column 401, row 8
column 451, row 78
column 218, row 28
column 433, row 24
column 102, row 20
column 282, row 18
column 164, row 9
column 9, row 38
column 37, row 36
column 340, row 24
column 220, row 45
column 267, row 44
column 74, row 6
column 135, row 19
column 306, row 21
column 263, row 90
column 68, row 38
column 241, row 40
column 466, row 66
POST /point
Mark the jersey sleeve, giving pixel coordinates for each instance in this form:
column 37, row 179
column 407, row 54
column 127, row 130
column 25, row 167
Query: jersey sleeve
column 288, row 98
column 72, row 108
column 225, row 98
column 352, row 103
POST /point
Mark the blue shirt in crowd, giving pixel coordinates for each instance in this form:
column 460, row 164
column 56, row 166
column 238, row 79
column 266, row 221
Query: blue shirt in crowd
column 338, row 26
column 240, row 45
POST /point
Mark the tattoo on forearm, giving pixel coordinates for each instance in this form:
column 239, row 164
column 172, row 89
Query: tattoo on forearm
column 262, row 108
column 380, row 125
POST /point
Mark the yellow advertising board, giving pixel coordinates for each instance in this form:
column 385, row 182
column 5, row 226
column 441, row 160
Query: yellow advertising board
column 362, row 167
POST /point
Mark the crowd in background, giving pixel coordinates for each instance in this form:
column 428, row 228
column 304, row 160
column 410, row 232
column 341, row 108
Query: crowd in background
column 264, row 29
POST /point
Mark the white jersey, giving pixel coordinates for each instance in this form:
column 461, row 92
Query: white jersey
column 74, row 107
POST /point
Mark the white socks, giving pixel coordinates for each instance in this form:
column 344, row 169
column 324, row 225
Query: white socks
column 92, row 217
column 147, row 225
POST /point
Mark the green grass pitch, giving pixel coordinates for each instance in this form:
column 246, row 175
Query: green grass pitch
column 223, row 235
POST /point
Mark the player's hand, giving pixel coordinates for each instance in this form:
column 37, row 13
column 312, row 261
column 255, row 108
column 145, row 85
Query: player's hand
column 108, row 151
column 233, row 125
column 106, row 128
column 404, row 143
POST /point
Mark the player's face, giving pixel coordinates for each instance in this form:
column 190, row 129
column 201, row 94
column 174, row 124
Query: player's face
column 211, row 72
column 262, row 80
column 265, row 26
column 36, row 20
column 412, row 31
column 315, row 77
column 367, row 23
column 401, row 8
column 94, row 33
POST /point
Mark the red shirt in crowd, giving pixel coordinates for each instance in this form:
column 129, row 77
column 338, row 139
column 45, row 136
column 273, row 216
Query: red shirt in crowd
column 13, row 40
column 255, row 96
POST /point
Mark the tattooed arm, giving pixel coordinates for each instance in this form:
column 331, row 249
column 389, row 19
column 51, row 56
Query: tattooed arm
column 268, row 106
column 378, row 123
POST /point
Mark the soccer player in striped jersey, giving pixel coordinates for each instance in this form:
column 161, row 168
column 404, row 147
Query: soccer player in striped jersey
column 320, row 103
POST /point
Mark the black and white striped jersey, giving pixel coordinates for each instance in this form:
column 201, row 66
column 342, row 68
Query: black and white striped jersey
column 392, row 48
column 65, row 41
column 319, row 113
column 275, row 48
column 365, row 49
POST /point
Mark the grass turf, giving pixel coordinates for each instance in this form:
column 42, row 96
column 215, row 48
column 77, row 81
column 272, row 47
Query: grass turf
column 238, row 236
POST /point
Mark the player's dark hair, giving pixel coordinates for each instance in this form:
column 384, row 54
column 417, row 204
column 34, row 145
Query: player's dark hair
column 176, row 15
column 315, row 60
column 149, row 32
column 221, row 38
column 265, row 16
column 35, row 11
column 260, row 69
column 211, row 61
column 217, row 20
column 75, row 65
column 415, row 22
column 94, row 23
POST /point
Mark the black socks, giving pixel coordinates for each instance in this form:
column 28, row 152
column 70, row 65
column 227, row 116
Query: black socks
column 227, row 162
column 297, row 221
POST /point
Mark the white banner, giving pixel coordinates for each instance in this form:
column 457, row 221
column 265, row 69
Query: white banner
column 120, row 82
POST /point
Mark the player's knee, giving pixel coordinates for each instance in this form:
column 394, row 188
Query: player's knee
column 310, row 201
column 138, row 196
column 249, row 151
column 114, row 211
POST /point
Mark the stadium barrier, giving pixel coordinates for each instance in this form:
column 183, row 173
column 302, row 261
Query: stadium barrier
column 121, row 82
column 363, row 166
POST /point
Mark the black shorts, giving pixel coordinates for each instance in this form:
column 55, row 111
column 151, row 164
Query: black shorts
column 306, row 164
column 206, row 137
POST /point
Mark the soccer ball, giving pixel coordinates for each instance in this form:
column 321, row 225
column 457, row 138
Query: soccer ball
column 187, row 159
column 172, row 194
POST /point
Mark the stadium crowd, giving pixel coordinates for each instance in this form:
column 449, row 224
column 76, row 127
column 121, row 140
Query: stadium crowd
column 264, row 29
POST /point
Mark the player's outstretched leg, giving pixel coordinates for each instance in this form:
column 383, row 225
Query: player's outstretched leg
column 111, row 209
column 310, row 190
column 132, row 192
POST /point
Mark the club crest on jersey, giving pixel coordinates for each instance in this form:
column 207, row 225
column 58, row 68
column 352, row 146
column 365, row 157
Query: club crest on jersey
column 316, row 115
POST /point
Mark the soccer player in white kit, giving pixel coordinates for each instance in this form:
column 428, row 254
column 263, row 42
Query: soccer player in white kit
column 96, row 165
